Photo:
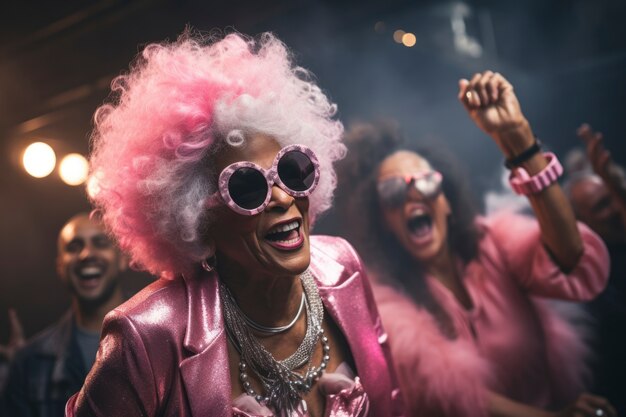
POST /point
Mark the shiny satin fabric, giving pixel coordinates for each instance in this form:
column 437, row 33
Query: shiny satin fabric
column 164, row 352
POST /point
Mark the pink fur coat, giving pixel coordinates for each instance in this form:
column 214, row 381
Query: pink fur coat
column 513, row 341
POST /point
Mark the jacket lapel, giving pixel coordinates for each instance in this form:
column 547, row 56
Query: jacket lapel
column 206, row 373
column 345, row 300
column 347, row 307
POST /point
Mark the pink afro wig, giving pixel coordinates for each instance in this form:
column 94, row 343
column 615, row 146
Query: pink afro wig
column 179, row 104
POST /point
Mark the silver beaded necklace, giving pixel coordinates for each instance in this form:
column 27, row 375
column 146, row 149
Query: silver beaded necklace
column 283, row 386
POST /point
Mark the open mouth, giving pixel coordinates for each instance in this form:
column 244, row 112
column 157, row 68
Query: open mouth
column 420, row 226
column 89, row 274
column 285, row 236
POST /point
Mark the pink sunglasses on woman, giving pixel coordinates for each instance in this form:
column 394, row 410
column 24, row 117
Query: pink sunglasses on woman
column 246, row 188
column 392, row 191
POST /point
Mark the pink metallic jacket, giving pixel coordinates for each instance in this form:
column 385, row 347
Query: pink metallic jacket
column 164, row 352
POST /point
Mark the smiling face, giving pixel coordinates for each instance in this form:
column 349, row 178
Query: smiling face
column 88, row 261
column 274, row 242
column 419, row 225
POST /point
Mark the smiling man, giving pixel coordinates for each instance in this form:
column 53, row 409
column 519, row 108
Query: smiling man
column 54, row 364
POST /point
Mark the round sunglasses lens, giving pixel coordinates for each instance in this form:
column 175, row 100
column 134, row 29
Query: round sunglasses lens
column 428, row 186
column 248, row 188
column 296, row 171
column 392, row 192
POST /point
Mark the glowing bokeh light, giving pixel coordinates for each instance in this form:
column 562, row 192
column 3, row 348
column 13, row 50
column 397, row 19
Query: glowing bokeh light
column 74, row 169
column 397, row 35
column 409, row 39
column 39, row 159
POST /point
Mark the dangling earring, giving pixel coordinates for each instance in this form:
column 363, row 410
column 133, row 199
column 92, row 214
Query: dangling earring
column 209, row 263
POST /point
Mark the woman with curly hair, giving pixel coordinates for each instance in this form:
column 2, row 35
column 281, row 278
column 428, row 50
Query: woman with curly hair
column 210, row 167
column 457, row 292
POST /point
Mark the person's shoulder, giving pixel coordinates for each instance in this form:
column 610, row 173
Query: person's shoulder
column 333, row 247
column 47, row 341
column 333, row 259
column 160, row 304
column 163, row 289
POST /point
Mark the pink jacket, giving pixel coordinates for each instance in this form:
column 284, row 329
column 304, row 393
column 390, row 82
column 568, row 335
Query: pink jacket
column 164, row 352
column 511, row 342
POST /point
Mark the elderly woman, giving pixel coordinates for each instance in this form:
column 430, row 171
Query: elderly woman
column 459, row 293
column 210, row 168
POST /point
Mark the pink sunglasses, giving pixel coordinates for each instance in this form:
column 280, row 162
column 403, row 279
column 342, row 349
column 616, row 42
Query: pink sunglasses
column 246, row 188
column 392, row 191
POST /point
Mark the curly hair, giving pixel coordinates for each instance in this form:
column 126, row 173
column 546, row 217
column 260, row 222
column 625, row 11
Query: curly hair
column 179, row 104
column 368, row 146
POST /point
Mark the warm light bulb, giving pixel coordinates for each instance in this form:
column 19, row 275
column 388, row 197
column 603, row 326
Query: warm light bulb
column 74, row 169
column 39, row 159
column 409, row 39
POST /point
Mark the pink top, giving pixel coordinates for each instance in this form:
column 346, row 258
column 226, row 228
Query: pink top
column 510, row 342
column 345, row 397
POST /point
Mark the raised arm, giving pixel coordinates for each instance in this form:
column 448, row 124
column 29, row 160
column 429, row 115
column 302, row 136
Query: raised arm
column 492, row 104
column 604, row 166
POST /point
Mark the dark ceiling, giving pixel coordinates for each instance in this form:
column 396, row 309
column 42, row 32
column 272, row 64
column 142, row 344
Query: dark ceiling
column 567, row 60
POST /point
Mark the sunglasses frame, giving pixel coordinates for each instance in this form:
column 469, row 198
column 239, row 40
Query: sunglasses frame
column 271, row 177
column 410, row 180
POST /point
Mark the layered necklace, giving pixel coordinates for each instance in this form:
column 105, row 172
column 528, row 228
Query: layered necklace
column 282, row 385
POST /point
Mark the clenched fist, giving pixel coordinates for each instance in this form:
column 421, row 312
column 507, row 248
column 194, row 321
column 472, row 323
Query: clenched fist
column 492, row 104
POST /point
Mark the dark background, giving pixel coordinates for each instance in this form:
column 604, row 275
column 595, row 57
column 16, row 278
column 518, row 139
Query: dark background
column 566, row 59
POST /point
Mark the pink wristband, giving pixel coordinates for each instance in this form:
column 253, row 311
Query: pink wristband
column 523, row 184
